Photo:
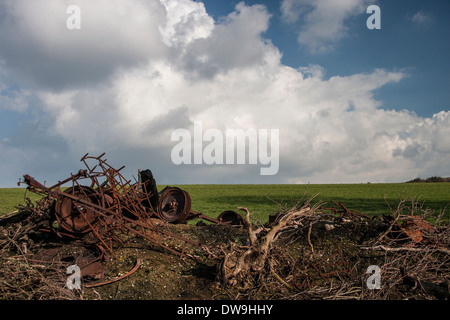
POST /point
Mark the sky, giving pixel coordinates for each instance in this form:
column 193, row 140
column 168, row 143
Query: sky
column 343, row 103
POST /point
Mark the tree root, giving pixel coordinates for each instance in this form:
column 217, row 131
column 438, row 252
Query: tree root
column 241, row 262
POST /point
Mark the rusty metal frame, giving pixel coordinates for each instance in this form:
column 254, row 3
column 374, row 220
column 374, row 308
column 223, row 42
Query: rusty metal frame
column 118, row 206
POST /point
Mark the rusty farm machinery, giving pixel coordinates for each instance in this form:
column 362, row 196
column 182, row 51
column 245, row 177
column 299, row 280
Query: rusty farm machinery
column 101, row 202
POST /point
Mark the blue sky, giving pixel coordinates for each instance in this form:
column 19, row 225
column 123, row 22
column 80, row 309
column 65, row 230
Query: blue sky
column 351, row 104
column 420, row 46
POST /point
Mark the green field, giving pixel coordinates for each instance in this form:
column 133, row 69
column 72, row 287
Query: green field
column 371, row 199
column 262, row 200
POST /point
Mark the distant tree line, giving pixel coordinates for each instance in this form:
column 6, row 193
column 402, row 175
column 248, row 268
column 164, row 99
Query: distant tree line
column 431, row 179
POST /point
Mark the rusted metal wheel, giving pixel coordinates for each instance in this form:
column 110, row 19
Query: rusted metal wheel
column 174, row 205
column 73, row 212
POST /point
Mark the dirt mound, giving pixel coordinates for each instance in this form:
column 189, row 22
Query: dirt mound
column 316, row 254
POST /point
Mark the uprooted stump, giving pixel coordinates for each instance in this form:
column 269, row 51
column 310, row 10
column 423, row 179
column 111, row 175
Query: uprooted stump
column 244, row 262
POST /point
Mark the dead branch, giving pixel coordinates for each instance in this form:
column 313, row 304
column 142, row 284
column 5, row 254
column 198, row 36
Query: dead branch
column 309, row 238
column 248, row 223
column 389, row 229
column 384, row 248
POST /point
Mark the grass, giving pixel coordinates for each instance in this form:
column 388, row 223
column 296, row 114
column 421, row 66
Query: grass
column 371, row 199
column 262, row 200
column 12, row 197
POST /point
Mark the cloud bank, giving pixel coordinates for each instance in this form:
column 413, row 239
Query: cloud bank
column 138, row 70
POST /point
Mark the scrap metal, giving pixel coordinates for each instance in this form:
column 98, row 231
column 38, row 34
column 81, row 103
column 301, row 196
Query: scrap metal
column 109, row 203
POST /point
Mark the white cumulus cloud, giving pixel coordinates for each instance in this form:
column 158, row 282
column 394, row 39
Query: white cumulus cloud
column 322, row 22
column 226, row 75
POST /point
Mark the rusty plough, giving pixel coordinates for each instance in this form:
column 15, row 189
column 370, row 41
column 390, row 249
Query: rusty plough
column 102, row 203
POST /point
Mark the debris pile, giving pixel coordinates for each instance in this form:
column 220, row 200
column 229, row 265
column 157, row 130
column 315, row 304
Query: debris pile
column 98, row 208
column 314, row 252
column 109, row 204
column 309, row 251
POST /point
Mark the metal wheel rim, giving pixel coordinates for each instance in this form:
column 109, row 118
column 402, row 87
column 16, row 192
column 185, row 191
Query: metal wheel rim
column 77, row 218
column 174, row 205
